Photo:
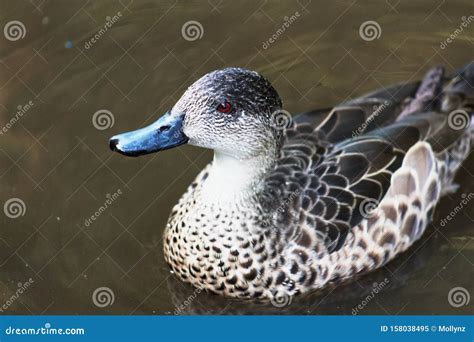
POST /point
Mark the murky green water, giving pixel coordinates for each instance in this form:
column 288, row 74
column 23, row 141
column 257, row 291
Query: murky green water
column 57, row 162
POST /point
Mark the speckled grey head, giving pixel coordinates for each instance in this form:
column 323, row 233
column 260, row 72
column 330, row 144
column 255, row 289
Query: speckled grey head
column 230, row 111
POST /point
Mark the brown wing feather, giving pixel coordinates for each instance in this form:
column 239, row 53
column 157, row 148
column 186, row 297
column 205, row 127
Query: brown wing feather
column 334, row 159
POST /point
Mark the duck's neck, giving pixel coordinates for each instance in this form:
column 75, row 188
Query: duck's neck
column 233, row 180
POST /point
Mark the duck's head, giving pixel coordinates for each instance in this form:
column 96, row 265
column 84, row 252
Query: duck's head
column 230, row 111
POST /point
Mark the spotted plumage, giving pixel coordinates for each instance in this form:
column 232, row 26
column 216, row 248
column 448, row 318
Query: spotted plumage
column 329, row 194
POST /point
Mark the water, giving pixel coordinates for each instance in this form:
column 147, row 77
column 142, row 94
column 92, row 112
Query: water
column 58, row 163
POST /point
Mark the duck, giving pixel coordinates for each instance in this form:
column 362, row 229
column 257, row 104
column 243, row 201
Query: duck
column 294, row 203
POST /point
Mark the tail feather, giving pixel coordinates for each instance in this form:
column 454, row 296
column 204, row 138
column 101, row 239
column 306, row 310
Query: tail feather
column 459, row 92
column 427, row 95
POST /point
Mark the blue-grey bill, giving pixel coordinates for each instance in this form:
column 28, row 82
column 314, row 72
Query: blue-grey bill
column 161, row 135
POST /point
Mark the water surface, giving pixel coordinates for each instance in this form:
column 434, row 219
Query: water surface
column 58, row 163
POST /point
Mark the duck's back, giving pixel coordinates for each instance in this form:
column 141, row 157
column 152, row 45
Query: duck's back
column 358, row 183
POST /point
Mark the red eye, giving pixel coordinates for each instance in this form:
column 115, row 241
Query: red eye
column 224, row 107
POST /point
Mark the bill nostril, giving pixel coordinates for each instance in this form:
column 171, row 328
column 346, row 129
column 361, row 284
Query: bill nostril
column 164, row 128
column 113, row 144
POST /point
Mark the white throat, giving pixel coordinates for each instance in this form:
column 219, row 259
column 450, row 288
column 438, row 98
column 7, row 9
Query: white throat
column 233, row 180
